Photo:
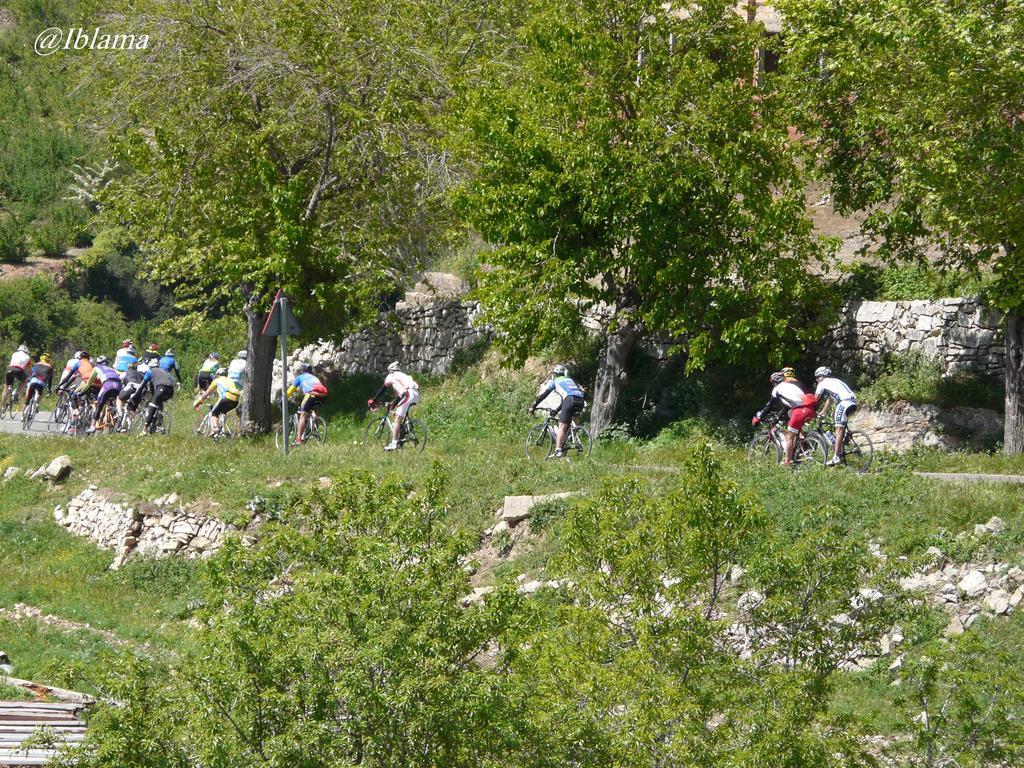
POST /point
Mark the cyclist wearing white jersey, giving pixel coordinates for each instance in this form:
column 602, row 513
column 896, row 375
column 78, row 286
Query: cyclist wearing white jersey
column 789, row 397
column 408, row 392
column 570, row 406
column 845, row 400
column 17, row 371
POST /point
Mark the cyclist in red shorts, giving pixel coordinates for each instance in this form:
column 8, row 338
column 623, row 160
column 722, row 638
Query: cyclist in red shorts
column 788, row 394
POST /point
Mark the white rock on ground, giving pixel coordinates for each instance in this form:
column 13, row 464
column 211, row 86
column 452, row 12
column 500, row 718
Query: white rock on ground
column 973, row 584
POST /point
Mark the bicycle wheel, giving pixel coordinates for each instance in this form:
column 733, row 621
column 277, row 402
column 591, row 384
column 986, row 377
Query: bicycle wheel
column 377, row 433
column 858, row 451
column 202, row 427
column 811, row 449
column 29, row 413
column 579, row 443
column 763, row 449
column 415, row 434
column 162, row 422
column 540, row 443
column 316, row 430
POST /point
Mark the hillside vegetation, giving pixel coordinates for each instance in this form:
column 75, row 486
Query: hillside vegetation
column 635, row 497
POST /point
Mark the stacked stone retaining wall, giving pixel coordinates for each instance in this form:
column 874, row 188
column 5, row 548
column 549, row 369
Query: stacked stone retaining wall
column 961, row 333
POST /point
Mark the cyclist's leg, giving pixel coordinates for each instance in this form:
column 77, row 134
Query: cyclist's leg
column 843, row 413
column 401, row 411
column 565, row 413
column 303, row 414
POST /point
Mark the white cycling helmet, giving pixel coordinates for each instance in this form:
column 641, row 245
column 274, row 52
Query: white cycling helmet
column 559, row 370
column 222, row 371
column 822, row 372
column 395, row 366
column 776, row 377
column 242, row 354
column 23, row 348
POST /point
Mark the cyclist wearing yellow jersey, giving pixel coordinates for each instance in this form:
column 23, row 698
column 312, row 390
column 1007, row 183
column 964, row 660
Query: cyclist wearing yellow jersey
column 227, row 391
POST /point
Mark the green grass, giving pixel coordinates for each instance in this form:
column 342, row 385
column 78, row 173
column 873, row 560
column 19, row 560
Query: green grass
column 477, row 421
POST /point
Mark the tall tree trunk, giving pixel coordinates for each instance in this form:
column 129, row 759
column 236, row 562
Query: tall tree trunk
column 254, row 410
column 1013, row 422
column 612, row 374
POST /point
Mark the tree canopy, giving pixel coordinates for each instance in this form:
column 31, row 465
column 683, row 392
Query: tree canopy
column 626, row 158
column 913, row 112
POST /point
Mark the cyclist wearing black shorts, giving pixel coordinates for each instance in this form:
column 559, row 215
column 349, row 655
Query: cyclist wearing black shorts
column 570, row 408
column 163, row 390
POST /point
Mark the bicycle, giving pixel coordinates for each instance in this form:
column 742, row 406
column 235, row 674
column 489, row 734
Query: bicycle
column 79, row 418
column 378, row 432
column 316, row 430
column 161, row 421
column 769, row 445
column 204, row 427
column 61, row 411
column 30, row 411
column 9, row 407
column 541, row 438
column 858, row 450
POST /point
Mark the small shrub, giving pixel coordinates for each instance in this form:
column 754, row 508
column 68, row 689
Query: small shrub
column 918, row 379
column 908, row 282
column 65, row 226
column 13, row 242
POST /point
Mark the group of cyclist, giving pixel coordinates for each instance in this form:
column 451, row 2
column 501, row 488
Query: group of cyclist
column 798, row 405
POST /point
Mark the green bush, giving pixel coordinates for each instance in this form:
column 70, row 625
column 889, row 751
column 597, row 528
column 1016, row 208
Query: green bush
column 908, row 282
column 65, row 225
column 35, row 311
column 13, row 243
column 918, row 379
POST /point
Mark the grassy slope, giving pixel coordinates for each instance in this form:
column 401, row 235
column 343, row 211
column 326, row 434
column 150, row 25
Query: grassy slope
column 477, row 420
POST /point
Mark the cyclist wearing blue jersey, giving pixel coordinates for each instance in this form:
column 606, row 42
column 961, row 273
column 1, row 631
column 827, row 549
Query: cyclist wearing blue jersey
column 571, row 405
column 169, row 364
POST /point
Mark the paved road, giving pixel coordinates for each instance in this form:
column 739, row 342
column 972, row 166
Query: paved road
column 38, row 425
column 971, row 477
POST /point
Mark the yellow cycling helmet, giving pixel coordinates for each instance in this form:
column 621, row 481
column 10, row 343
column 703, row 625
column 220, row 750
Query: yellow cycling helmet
column 789, row 373
column 44, row 358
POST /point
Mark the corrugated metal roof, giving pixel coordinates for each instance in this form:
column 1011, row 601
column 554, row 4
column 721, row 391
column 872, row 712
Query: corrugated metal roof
column 21, row 720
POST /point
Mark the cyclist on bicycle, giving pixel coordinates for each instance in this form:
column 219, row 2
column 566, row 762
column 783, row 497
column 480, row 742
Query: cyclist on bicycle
column 131, row 386
column 845, row 401
column 124, row 357
column 407, row 392
column 67, row 372
column 236, row 369
column 313, row 394
column 207, row 371
column 569, row 408
column 228, row 394
column 151, row 356
column 126, row 350
column 170, row 364
column 159, row 378
column 789, row 396
column 41, row 376
column 109, row 382
column 17, row 370
column 79, row 371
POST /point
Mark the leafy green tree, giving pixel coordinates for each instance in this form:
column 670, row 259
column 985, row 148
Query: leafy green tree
column 337, row 639
column 963, row 702
column 913, row 112
column 625, row 158
column 643, row 663
column 279, row 145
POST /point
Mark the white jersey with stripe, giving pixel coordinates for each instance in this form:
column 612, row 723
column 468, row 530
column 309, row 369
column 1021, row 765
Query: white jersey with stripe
column 401, row 383
column 791, row 395
column 20, row 360
column 835, row 388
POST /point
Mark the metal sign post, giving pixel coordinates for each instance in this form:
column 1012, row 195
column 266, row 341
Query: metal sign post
column 284, row 378
column 281, row 322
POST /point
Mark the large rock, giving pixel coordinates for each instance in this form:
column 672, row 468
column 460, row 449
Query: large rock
column 517, row 508
column 973, row 583
column 59, row 469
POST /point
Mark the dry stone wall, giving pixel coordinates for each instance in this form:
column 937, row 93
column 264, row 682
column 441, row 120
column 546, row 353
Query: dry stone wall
column 425, row 338
column 900, row 426
column 961, row 333
column 161, row 528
